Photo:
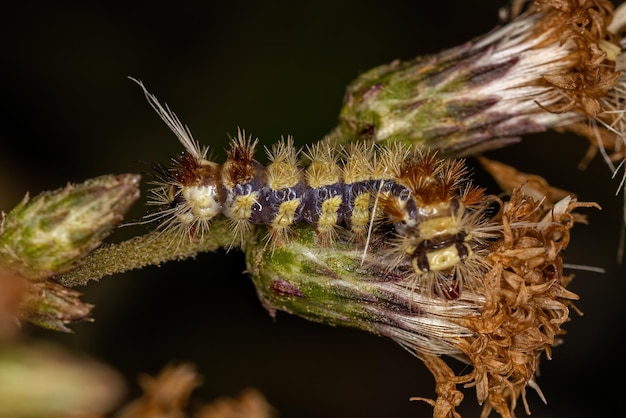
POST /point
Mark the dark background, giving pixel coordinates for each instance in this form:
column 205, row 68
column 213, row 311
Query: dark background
column 275, row 68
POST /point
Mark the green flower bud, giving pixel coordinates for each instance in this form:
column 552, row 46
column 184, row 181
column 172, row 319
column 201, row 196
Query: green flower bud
column 52, row 306
column 336, row 286
column 50, row 233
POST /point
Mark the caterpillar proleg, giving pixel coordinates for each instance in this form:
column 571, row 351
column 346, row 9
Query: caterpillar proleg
column 426, row 215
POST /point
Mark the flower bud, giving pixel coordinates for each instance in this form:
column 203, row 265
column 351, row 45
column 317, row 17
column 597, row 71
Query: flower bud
column 50, row 233
column 52, row 306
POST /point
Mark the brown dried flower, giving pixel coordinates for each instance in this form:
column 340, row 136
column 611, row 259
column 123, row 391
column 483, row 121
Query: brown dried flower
column 525, row 304
column 551, row 66
column 167, row 396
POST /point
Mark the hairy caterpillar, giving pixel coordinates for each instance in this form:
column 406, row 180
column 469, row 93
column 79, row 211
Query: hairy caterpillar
column 431, row 219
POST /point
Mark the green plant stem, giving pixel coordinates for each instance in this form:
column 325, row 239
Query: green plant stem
column 150, row 249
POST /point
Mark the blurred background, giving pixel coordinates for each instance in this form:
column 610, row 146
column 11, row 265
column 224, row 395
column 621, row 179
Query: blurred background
column 276, row 68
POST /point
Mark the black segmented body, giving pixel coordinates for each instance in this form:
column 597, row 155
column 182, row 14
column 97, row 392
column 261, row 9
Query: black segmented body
column 425, row 199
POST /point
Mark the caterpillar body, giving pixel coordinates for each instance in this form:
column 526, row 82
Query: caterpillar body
column 433, row 219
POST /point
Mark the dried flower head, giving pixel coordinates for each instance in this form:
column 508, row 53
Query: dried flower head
column 525, row 305
column 552, row 65
column 500, row 328
column 167, row 395
column 250, row 403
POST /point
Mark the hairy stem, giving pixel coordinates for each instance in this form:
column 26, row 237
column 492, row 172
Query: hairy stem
column 150, row 249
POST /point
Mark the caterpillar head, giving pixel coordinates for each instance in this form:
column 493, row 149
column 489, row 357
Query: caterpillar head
column 197, row 189
column 188, row 195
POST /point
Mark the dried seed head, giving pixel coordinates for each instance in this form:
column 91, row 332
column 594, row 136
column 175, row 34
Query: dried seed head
column 164, row 395
column 500, row 327
column 550, row 66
